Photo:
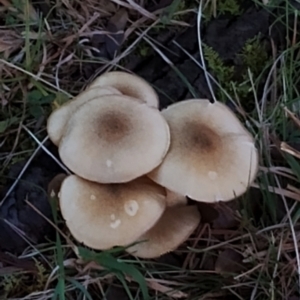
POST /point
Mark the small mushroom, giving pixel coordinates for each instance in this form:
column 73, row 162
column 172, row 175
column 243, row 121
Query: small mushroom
column 129, row 85
column 172, row 229
column 114, row 139
column 212, row 157
column 102, row 216
column 55, row 184
column 58, row 119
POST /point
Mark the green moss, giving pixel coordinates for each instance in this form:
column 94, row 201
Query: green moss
column 229, row 6
column 143, row 49
column 14, row 284
column 215, row 63
column 253, row 56
column 232, row 7
column 222, row 73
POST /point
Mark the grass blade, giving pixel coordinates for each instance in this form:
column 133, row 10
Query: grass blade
column 117, row 266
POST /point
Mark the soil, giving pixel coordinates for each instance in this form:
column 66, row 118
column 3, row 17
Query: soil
column 16, row 212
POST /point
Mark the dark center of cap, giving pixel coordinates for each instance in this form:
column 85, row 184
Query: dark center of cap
column 201, row 138
column 113, row 126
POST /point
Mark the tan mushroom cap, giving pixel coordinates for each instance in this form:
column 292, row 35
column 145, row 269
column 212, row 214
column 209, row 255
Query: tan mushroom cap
column 129, row 85
column 175, row 199
column 114, row 139
column 212, row 157
column 106, row 215
column 173, row 228
column 59, row 118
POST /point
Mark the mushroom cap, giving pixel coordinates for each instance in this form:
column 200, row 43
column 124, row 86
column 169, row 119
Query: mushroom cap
column 172, row 229
column 55, row 184
column 58, row 119
column 114, row 139
column 175, row 199
column 129, row 85
column 212, row 157
column 106, row 215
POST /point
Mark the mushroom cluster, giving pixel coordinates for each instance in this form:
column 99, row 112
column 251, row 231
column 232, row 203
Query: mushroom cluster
column 134, row 165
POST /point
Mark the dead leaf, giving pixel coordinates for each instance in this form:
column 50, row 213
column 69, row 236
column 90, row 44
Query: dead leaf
column 229, row 262
column 115, row 35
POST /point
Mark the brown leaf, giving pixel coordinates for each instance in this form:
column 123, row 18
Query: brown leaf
column 229, row 262
column 115, row 28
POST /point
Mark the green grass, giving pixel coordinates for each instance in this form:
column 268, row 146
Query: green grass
column 268, row 215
